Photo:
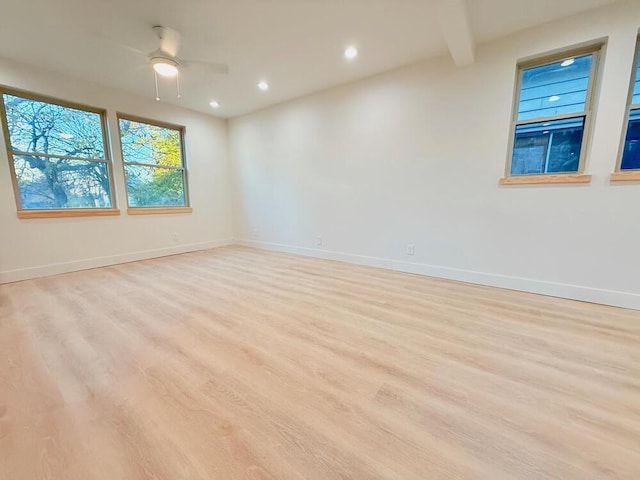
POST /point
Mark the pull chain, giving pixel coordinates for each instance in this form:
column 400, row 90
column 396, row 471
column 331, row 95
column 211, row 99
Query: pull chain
column 155, row 76
column 178, row 83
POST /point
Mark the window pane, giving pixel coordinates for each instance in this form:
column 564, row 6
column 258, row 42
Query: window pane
column 548, row 147
column 41, row 127
column 150, row 144
column 50, row 183
column 555, row 89
column 154, row 186
column 631, row 152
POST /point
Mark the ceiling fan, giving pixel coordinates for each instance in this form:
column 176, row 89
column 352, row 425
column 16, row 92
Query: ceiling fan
column 165, row 60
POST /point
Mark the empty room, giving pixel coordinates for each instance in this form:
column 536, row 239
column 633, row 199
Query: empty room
column 320, row 239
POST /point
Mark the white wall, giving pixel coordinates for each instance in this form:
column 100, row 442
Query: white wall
column 30, row 248
column 414, row 156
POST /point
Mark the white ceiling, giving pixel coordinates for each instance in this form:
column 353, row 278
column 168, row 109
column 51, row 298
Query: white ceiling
column 296, row 45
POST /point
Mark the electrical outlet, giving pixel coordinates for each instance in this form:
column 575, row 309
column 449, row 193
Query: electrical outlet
column 411, row 249
column 319, row 240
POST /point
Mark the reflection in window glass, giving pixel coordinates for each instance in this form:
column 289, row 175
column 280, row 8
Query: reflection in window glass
column 555, row 89
column 631, row 149
column 548, row 147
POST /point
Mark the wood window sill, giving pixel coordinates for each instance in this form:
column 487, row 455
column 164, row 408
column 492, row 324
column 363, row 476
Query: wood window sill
column 71, row 212
column 158, row 210
column 628, row 176
column 559, row 178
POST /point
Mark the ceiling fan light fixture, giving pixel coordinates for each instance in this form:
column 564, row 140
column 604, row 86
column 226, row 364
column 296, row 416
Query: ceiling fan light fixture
column 165, row 67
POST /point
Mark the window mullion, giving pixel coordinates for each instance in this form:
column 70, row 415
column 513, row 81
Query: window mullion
column 565, row 116
column 154, row 165
column 59, row 157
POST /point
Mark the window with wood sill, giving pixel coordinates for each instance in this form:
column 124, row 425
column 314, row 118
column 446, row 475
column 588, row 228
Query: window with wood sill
column 58, row 156
column 153, row 154
column 551, row 119
column 628, row 168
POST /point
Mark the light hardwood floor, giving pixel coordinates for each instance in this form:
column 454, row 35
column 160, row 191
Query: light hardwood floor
column 240, row 364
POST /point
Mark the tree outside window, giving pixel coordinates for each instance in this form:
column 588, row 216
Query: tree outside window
column 153, row 163
column 57, row 154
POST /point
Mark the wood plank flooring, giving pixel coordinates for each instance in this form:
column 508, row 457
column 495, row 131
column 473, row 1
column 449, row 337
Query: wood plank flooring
column 241, row 364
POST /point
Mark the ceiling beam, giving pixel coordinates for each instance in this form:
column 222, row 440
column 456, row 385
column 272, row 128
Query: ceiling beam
column 453, row 17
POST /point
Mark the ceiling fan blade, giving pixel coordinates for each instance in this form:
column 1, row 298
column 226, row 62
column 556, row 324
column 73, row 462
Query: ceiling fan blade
column 169, row 39
column 206, row 67
column 129, row 48
column 134, row 50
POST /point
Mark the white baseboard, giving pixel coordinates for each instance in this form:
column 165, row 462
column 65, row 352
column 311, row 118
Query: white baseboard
column 553, row 289
column 66, row 267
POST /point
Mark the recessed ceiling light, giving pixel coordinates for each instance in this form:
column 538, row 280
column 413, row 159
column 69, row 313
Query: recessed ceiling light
column 567, row 62
column 165, row 66
column 214, row 104
column 264, row 86
column 554, row 98
column 350, row 53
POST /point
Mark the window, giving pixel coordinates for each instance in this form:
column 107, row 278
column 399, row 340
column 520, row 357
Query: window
column 57, row 155
column 552, row 114
column 630, row 155
column 153, row 155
